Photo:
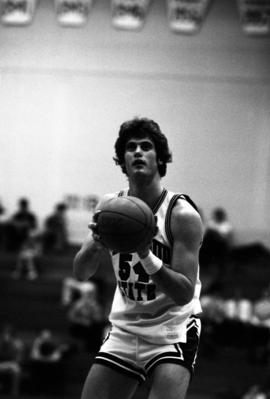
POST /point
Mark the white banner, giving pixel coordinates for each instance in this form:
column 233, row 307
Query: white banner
column 72, row 12
column 129, row 14
column 80, row 210
column 254, row 16
column 17, row 12
column 186, row 16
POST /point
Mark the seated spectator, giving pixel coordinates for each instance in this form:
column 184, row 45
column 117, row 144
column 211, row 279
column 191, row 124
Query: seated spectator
column 255, row 392
column 26, row 264
column 87, row 319
column 55, row 231
column 20, row 226
column 216, row 246
column 74, row 289
column 262, row 307
column 220, row 224
column 45, row 348
column 45, row 358
column 11, row 356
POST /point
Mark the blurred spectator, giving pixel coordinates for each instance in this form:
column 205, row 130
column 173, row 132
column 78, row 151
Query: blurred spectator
column 255, row 392
column 262, row 307
column 216, row 247
column 45, row 348
column 74, row 289
column 45, row 362
column 87, row 319
column 11, row 356
column 237, row 322
column 55, row 230
column 26, row 264
column 220, row 224
column 21, row 224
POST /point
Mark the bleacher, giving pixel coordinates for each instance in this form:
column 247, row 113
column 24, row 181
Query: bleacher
column 34, row 305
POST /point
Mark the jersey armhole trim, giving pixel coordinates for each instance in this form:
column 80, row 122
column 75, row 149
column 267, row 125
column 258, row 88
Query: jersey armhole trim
column 172, row 203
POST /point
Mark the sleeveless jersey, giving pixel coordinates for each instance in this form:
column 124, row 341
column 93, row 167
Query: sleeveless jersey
column 139, row 307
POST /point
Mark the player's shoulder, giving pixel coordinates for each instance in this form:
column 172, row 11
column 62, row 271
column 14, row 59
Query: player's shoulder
column 185, row 206
column 185, row 217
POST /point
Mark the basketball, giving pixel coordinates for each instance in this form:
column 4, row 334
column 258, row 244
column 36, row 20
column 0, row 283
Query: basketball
column 124, row 223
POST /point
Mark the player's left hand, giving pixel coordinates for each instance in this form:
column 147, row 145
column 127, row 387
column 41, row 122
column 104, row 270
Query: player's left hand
column 143, row 252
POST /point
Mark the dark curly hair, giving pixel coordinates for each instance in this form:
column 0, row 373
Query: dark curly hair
column 140, row 128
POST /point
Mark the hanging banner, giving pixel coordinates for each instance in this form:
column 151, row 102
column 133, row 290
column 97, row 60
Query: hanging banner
column 72, row 12
column 17, row 12
column 254, row 16
column 129, row 14
column 186, row 16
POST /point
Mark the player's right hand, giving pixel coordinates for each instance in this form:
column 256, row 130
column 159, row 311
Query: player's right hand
column 93, row 226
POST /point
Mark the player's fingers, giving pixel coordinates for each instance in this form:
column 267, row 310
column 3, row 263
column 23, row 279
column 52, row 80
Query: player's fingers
column 98, row 241
column 96, row 237
column 144, row 248
column 96, row 215
column 92, row 226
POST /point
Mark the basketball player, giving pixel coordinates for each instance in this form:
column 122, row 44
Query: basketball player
column 154, row 316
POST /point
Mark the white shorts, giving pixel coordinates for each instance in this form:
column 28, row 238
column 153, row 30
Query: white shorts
column 132, row 355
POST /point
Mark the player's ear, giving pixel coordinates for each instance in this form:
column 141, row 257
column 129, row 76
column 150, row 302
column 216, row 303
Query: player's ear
column 123, row 167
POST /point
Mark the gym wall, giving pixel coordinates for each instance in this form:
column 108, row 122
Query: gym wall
column 65, row 91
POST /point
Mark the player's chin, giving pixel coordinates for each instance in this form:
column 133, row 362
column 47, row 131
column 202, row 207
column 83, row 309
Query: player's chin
column 140, row 176
column 138, row 173
column 139, row 170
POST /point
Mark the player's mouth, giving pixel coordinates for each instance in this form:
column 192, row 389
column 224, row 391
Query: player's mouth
column 138, row 162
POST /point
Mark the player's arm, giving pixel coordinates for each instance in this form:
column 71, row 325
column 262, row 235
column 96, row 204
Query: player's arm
column 179, row 281
column 88, row 259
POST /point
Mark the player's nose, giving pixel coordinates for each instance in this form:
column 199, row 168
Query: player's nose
column 138, row 149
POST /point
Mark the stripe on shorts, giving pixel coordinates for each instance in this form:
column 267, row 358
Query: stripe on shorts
column 185, row 353
column 121, row 365
column 166, row 357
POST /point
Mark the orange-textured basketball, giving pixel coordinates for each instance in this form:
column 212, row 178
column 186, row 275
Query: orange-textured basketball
column 124, row 223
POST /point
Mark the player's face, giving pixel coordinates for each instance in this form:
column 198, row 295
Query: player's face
column 140, row 157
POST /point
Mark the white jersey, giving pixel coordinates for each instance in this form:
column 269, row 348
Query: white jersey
column 139, row 307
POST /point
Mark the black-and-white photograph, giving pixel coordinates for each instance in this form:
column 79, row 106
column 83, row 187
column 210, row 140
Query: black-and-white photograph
column 134, row 199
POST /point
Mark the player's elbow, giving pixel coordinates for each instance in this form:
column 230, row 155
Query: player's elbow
column 79, row 275
column 182, row 301
column 184, row 296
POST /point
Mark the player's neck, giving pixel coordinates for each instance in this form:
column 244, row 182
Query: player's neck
column 149, row 192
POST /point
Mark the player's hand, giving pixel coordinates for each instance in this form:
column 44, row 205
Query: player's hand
column 93, row 226
column 143, row 252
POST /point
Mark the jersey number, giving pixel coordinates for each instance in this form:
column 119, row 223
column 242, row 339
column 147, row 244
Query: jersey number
column 124, row 269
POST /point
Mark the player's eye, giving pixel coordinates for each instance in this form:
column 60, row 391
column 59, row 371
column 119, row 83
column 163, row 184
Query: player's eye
column 131, row 146
column 146, row 146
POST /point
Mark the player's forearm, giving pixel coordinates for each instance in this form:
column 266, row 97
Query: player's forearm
column 175, row 285
column 86, row 262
